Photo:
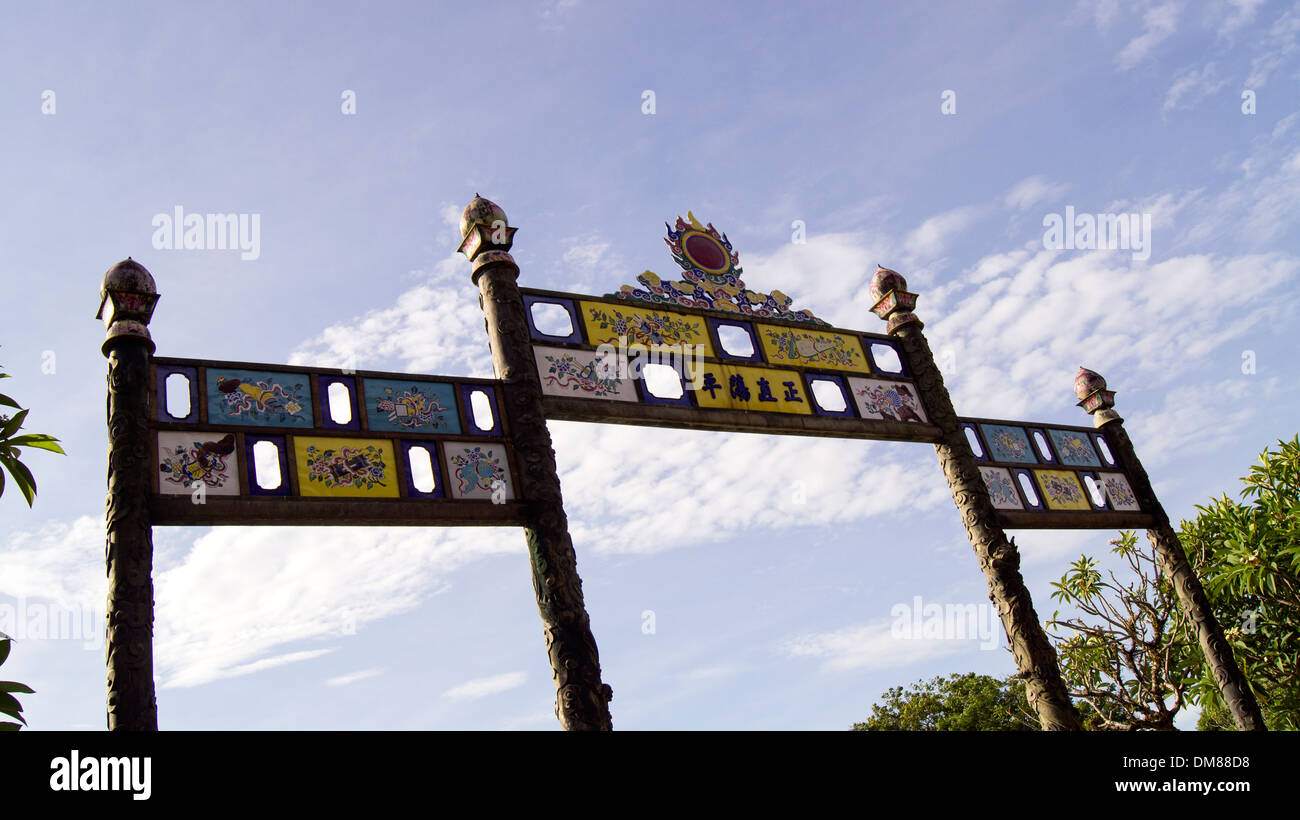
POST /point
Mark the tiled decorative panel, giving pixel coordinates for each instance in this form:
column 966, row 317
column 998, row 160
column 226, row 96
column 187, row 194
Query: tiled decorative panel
column 1002, row 488
column 346, row 467
column 582, row 373
column 738, row 387
column 411, row 406
column 1055, row 478
column 259, row 398
column 887, row 400
column 263, row 439
column 1074, row 448
column 477, row 471
column 1119, row 495
column 607, row 323
column 187, row 460
column 812, row 348
column 1008, row 444
column 1062, row 490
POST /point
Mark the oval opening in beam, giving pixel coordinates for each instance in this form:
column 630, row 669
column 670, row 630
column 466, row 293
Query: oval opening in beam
column 1094, row 490
column 1028, row 487
column 481, row 409
column 829, row 396
column 974, row 442
column 551, row 319
column 177, row 386
column 421, row 469
column 886, row 358
column 1105, row 450
column 266, row 465
column 340, row 403
column 662, row 381
column 735, row 341
column 1043, row 449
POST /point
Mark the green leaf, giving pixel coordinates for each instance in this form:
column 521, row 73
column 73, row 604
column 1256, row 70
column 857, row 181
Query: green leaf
column 13, row 425
column 12, row 686
column 37, row 440
column 8, row 402
column 5, row 726
column 26, row 483
column 5, row 646
column 10, row 706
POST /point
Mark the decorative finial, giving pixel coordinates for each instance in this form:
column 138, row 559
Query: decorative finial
column 126, row 302
column 892, row 301
column 486, row 235
column 1094, row 398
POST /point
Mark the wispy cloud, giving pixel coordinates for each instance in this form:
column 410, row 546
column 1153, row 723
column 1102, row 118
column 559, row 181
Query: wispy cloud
column 482, row 687
column 1192, row 85
column 353, row 677
column 1159, row 24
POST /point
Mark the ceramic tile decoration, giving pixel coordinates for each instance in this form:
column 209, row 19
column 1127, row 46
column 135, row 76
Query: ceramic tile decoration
column 186, row 460
column 580, row 373
column 1002, row 490
column 887, row 400
column 1074, row 448
column 346, row 467
column 1008, row 444
column 812, row 348
column 477, row 471
column 607, row 323
column 1119, row 495
column 740, row 387
column 710, row 278
column 1061, row 490
column 410, row 406
column 259, row 398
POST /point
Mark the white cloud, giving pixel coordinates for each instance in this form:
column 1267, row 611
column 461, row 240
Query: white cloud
column 435, row 327
column 932, row 236
column 1159, row 24
column 482, row 687
column 241, row 593
column 1276, row 49
column 353, row 677
column 1191, row 86
column 1031, row 191
column 60, row 561
column 871, row 646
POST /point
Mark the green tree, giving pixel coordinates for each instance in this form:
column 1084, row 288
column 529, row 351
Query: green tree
column 1248, row 556
column 11, row 445
column 9, row 704
column 1133, row 659
column 966, row 702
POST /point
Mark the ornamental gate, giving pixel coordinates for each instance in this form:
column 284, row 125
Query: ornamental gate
column 275, row 444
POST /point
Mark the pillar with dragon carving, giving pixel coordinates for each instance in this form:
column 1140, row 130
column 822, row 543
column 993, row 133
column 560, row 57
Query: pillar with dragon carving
column 581, row 699
column 1033, row 652
column 1233, row 686
column 127, row 301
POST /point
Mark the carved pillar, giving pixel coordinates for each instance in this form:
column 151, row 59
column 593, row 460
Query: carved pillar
column 581, row 700
column 998, row 557
column 126, row 305
column 1237, row 694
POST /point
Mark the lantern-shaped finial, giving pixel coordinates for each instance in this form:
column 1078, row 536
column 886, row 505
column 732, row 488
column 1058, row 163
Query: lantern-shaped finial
column 486, row 235
column 1094, row 398
column 891, row 298
column 127, row 301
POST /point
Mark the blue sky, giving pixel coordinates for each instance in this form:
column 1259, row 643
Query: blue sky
column 771, row 609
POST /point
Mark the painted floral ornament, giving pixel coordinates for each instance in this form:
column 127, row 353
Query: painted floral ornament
column 710, row 278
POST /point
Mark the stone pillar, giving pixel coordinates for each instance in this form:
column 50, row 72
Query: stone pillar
column 581, row 700
column 126, row 306
column 1237, row 694
column 998, row 557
